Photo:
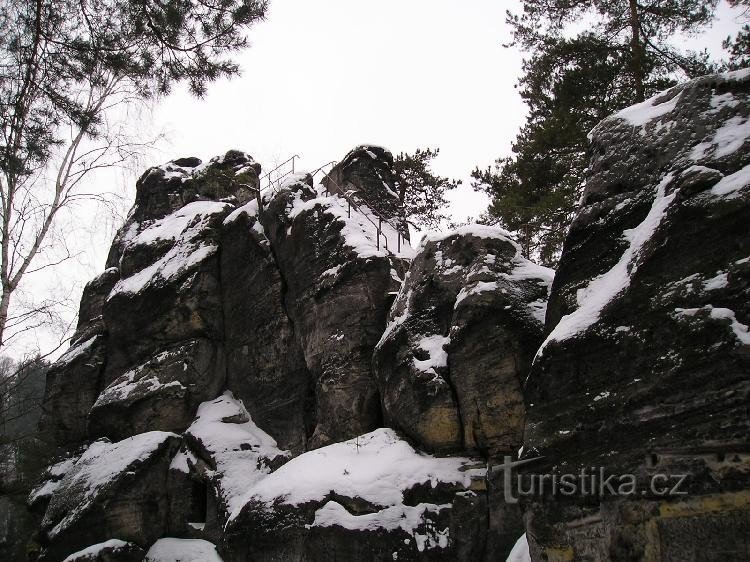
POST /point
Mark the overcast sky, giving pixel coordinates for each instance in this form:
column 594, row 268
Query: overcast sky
column 323, row 76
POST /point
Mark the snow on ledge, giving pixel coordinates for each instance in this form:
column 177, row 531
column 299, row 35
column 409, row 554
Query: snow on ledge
column 405, row 517
column 474, row 229
column 520, row 551
column 94, row 550
column 601, row 290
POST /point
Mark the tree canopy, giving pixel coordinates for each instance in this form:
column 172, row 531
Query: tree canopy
column 571, row 82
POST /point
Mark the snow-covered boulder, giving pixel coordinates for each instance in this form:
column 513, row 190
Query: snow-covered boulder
column 112, row 550
column 644, row 368
column 112, row 490
column 182, row 550
column 337, row 279
column 161, row 394
column 459, row 340
column 373, row 497
column 237, row 452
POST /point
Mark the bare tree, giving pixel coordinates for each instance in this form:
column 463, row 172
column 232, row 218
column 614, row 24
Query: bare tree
column 68, row 68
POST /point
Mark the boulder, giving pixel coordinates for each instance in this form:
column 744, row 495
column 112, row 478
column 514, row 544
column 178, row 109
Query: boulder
column 236, row 452
column 337, row 278
column 644, row 369
column 113, row 490
column 371, row 498
column 182, row 550
column 461, row 335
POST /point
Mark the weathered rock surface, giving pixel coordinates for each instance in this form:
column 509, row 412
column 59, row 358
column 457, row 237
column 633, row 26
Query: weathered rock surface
column 73, row 383
column 367, row 173
column 460, row 339
column 265, row 365
column 645, row 368
column 336, row 283
column 113, row 550
column 113, row 489
column 369, row 498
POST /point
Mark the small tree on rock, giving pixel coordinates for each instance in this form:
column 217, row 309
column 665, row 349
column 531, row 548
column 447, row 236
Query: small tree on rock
column 420, row 191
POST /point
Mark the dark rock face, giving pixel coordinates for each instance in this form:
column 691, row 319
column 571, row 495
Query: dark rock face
column 336, row 297
column 73, row 383
column 265, row 365
column 162, row 393
column 114, row 489
column 460, row 338
column 367, row 173
column 644, row 371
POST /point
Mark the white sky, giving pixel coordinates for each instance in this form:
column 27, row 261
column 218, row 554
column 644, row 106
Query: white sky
column 323, row 76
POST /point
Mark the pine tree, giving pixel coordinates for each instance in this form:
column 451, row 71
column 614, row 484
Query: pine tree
column 421, row 192
column 569, row 85
column 739, row 45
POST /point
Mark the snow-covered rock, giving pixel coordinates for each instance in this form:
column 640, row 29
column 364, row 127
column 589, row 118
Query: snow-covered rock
column 337, row 282
column 113, row 489
column 644, row 368
column 182, row 550
column 161, row 393
column 112, row 550
column 459, row 339
column 375, row 486
column 238, row 452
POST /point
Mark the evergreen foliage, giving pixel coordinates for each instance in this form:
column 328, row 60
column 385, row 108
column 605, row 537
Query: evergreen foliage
column 569, row 84
column 421, row 192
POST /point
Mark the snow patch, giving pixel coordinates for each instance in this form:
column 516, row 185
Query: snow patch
column 240, row 449
column 376, row 467
column 730, row 186
column 642, row 113
column 437, row 356
column 741, row 331
column 520, row 551
column 94, row 550
column 182, row 550
column 603, row 289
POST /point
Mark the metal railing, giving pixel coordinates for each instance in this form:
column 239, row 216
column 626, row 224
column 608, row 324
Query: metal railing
column 349, row 197
column 274, row 183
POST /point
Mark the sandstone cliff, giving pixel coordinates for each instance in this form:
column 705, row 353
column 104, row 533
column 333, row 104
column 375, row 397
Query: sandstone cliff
column 271, row 372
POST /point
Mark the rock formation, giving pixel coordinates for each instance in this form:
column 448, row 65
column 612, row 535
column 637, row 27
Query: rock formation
column 263, row 374
column 227, row 353
column 644, row 370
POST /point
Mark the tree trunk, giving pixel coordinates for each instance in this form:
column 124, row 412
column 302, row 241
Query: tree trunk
column 4, row 306
column 636, row 51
